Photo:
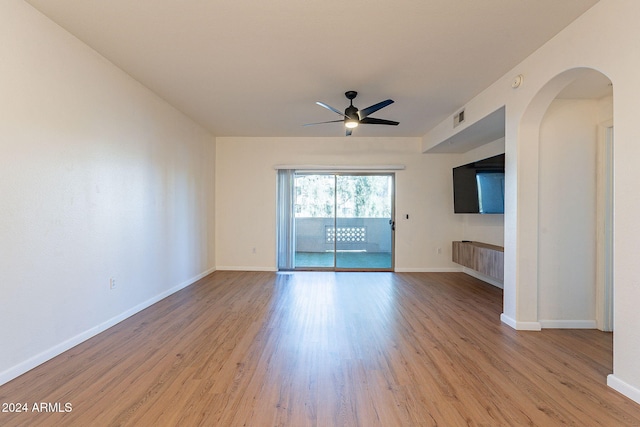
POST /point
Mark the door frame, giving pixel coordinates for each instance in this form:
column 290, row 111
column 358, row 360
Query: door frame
column 604, row 239
column 336, row 174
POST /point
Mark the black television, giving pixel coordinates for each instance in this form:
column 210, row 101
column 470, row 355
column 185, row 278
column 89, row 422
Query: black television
column 478, row 187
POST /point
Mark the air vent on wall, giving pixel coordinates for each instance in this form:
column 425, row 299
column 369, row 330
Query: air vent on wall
column 458, row 118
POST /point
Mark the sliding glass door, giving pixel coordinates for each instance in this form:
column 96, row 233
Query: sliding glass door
column 314, row 217
column 364, row 222
column 343, row 221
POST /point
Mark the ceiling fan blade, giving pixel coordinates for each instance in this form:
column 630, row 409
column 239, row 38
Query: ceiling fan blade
column 372, row 121
column 348, row 132
column 330, row 108
column 372, row 109
column 320, row 123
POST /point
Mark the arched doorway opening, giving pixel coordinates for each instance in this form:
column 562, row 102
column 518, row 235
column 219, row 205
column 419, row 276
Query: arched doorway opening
column 566, row 136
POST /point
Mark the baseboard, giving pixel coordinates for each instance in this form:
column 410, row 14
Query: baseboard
column 428, row 270
column 624, row 388
column 520, row 326
column 245, row 268
column 58, row 349
column 482, row 277
column 396, row 270
column 568, row 324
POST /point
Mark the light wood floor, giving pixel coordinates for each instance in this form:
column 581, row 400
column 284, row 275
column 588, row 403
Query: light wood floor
column 328, row 349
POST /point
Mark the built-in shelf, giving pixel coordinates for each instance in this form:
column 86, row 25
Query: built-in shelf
column 481, row 257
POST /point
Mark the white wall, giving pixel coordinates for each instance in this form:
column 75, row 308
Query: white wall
column 567, row 214
column 246, row 196
column 99, row 178
column 600, row 39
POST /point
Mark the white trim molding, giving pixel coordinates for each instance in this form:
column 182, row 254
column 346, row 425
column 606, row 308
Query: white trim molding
column 568, row 324
column 622, row 387
column 244, row 268
column 483, row 277
column 312, row 168
column 520, row 326
column 427, row 270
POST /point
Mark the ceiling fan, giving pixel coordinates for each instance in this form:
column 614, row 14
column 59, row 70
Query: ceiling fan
column 352, row 117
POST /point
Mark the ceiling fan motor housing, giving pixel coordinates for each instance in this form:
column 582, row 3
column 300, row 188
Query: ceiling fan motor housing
column 351, row 111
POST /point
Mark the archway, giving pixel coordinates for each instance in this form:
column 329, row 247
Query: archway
column 564, row 206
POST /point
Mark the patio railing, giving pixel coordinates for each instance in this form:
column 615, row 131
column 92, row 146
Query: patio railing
column 351, row 234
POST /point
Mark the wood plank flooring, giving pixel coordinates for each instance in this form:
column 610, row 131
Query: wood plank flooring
column 327, row 349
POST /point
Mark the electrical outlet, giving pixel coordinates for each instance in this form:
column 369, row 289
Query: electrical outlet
column 253, row 251
column 439, row 251
column 112, row 283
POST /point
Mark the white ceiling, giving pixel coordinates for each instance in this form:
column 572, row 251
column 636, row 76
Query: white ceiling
column 252, row 68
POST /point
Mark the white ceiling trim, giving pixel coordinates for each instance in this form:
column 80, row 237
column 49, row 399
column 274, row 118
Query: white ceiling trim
column 341, row 168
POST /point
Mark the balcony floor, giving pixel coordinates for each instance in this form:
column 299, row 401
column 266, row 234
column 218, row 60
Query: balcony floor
column 356, row 260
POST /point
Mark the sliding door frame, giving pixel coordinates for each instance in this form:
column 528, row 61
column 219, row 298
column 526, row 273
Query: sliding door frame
column 336, row 175
column 392, row 220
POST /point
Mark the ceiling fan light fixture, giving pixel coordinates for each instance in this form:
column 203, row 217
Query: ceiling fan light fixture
column 350, row 124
